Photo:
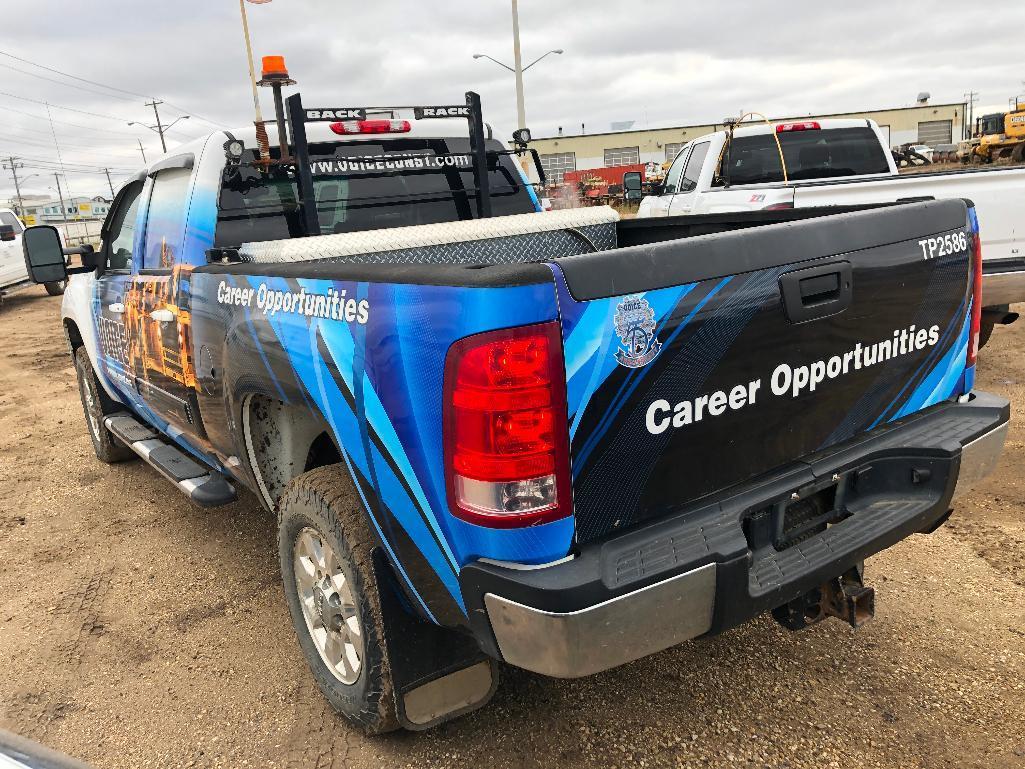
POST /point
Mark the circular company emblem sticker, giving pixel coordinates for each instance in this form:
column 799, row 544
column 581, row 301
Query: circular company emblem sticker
column 635, row 325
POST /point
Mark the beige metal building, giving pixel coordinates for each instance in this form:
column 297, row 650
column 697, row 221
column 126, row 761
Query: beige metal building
column 929, row 124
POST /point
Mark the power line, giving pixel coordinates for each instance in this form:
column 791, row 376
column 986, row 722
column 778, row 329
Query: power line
column 64, row 122
column 61, row 106
column 66, row 85
column 76, row 163
column 34, row 141
column 73, row 77
column 109, row 87
column 78, row 150
column 95, row 171
column 73, row 167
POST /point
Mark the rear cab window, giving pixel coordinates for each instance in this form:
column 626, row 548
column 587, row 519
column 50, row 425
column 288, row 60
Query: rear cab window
column 809, row 154
column 366, row 185
column 6, row 217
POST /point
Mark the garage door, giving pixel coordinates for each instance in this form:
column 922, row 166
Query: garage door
column 935, row 132
column 557, row 164
column 622, row 156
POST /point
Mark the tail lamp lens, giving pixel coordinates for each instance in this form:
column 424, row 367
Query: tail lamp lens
column 506, row 435
column 976, row 328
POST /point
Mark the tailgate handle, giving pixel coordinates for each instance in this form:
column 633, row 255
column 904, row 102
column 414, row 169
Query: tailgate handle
column 816, row 292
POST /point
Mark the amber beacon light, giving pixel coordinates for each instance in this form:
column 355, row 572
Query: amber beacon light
column 274, row 68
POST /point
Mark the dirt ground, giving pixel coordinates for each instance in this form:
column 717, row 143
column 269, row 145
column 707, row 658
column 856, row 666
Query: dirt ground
column 137, row 630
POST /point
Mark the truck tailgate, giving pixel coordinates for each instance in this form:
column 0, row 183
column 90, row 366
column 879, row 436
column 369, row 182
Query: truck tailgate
column 694, row 365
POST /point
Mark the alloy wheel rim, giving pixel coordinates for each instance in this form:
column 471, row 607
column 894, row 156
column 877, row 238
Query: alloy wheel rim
column 328, row 605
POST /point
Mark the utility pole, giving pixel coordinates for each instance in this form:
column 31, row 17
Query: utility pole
column 64, row 208
column 13, row 167
column 109, row 182
column 160, row 128
column 970, row 98
column 521, row 110
column 142, row 151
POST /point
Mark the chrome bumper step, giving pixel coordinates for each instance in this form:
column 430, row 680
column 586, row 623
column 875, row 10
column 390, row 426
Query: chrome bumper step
column 202, row 485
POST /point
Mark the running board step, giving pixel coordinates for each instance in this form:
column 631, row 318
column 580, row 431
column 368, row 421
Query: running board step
column 202, row 485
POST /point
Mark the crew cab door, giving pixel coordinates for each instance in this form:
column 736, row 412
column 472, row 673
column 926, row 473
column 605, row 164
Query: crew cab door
column 658, row 205
column 156, row 309
column 119, row 243
column 687, row 188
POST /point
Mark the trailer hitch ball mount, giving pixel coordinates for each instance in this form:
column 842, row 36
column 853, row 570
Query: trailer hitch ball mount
column 845, row 597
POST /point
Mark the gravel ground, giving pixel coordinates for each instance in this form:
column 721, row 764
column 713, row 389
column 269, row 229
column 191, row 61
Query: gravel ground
column 137, row 630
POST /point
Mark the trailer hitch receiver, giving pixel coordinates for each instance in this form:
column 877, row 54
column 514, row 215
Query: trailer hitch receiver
column 845, row 597
column 848, row 599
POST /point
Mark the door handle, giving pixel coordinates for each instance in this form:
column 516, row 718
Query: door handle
column 117, row 308
column 162, row 316
column 817, row 292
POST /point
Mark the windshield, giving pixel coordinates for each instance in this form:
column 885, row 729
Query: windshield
column 365, row 186
column 813, row 154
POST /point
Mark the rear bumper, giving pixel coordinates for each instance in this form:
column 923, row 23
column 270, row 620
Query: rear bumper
column 702, row 571
column 1003, row 281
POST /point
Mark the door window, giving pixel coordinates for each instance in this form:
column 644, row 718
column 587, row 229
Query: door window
column 165, row 221
column 675, row 172
column 695, row 163
column 121, row 233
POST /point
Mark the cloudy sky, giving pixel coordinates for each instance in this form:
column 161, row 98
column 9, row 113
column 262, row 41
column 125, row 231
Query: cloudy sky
column 656, row 62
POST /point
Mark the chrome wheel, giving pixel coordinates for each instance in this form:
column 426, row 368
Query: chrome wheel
column 328, row 605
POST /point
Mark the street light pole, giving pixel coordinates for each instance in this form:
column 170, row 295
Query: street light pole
column 109, row 182
column 521, row 110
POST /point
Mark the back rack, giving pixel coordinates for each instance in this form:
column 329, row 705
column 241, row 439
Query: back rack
column 300, row 161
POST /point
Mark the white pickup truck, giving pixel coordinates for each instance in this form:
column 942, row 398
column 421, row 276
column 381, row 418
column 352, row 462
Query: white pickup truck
column 13, row 272
column 845, row 162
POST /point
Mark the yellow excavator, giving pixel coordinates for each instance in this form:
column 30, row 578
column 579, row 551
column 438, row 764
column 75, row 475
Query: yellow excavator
column 998, row 136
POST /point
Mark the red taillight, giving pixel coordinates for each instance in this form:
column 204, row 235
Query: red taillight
column 506, row 433
column 371, row 127
column 807, row 125
column 973, row 337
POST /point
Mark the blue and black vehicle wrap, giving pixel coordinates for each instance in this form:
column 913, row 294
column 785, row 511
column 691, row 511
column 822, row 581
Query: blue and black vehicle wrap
column 695, row 365
column 646, row 328
column 363, row 347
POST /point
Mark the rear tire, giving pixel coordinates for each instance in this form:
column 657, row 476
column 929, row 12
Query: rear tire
column 1018, row 155
column 325, row 551
column 97, row 404
column 56, row 287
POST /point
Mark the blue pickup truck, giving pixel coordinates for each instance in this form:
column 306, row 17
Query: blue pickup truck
column 492, row 434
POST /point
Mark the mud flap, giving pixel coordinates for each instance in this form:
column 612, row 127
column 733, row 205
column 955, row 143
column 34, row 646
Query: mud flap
column 438, row 674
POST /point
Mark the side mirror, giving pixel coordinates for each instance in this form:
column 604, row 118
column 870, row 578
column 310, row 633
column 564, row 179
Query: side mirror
column 632, row 181
column 7, row 233
column 44, row 254
column 521, row 137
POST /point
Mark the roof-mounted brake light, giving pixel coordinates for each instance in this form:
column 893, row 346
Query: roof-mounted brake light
column 807, row 125
column 371, row 127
